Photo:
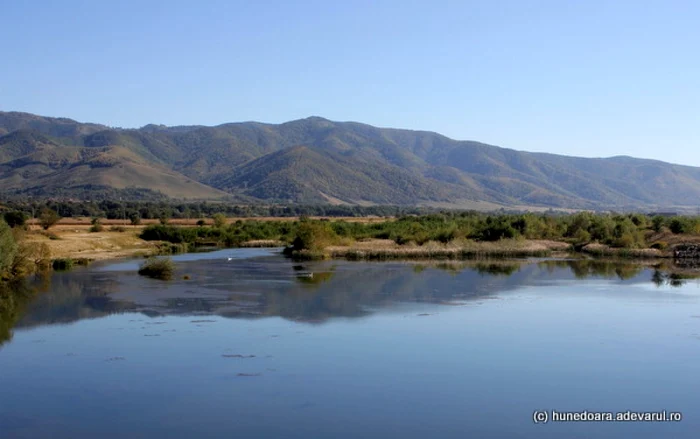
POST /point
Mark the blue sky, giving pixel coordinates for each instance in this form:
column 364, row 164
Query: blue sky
column 587, row 78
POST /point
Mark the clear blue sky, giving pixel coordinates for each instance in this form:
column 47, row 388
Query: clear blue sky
column 588, row 78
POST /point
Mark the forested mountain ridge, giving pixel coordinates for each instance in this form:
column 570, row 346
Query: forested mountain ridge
column 315, row 160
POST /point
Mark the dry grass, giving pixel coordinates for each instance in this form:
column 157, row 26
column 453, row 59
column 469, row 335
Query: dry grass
column 671, row 239
column 93, row 246
column 263, row 243
column 463, row 249
column 604, row 250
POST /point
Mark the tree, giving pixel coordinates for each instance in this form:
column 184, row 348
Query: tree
column 96, row 225
column 164, row 218
column 135, row 219
column 48, row 218
column 219, row 219
column 657, row 222
column 15, row 218
column 8, row 249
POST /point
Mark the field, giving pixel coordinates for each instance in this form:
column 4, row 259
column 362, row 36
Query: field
column 443, row 236
column 70, row 238
column 72, row 242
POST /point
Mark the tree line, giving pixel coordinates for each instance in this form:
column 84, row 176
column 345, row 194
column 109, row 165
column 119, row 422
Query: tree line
column 127, row 210
column 630, row 231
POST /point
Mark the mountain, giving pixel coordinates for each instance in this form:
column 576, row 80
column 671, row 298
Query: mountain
column 315, row 160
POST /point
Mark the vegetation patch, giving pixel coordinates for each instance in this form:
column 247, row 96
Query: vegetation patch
column 62, row 264
column 158, row 268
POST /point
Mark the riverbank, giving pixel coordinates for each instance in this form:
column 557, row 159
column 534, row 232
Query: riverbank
column 430, row 237
column 386, row 249
column 77, row 242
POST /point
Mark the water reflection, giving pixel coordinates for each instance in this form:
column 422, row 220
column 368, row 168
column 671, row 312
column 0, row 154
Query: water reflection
column 311, row 292
column 585, row 268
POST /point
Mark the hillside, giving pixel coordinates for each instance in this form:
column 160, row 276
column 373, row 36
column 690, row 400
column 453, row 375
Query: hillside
column 315, row 160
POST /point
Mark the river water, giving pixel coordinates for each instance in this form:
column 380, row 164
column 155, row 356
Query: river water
column 254, row 345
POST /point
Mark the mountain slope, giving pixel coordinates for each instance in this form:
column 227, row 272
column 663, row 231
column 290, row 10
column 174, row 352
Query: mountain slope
column 40, row 165
column 310, row 175
column 317, row 160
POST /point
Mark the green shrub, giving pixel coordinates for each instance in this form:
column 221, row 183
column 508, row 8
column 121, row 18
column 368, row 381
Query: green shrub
column 657, row 223
column 48, row 218
column 158, row 268
column 313, row 236
column 135, row 219
column 62, row 264
column 8, row 249
column 582, row 237
column 15, row 218
column 95, row 228
column 219, row 220
column 661, row 245
column 170, row 248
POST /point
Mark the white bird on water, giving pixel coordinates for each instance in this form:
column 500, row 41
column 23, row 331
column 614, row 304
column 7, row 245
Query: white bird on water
column 230, row 259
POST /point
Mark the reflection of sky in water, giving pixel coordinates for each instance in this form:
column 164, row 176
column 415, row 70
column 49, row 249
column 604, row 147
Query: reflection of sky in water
column 411, row 364
column 237, row 253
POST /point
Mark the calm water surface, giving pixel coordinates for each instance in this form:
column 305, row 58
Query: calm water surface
column 260, row 346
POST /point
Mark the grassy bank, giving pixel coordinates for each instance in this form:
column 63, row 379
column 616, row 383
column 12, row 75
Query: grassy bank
column 436, row 236
column 454, row 250
column 449, row 236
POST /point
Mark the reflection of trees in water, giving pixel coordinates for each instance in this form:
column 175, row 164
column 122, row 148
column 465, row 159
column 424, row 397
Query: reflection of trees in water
column 14, row 298
column 585, row 268
column 492, row 267
column 72, row 296
column 496, row 269
column 355, row 289
column 666, row 272
column 674, row 279
column 315, row 278
column 277, row 287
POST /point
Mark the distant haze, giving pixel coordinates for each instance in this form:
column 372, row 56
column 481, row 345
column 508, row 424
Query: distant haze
column 595, row 78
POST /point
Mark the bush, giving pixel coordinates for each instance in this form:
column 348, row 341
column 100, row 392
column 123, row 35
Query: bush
column 96, row 228
column 15, row 218
column 30, row 257
column 169, row 248
column 657, row 223
column 48, row 218
column 8, row 249
column 158, row 268
column 219, row 220
column 313, row 236
column 176, row 235
column 62, row 264
column 582, row 237
column 661, row 245
column 135, row 219
column 120, row 229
